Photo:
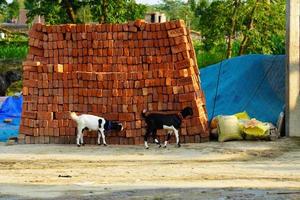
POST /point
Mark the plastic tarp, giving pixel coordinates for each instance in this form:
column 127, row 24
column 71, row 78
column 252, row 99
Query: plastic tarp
column 252, row 83
column 11, row 108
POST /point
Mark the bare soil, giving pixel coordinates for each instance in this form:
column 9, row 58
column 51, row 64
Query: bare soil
column 231, row 170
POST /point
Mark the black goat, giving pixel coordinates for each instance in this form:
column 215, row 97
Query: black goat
column 170, row 122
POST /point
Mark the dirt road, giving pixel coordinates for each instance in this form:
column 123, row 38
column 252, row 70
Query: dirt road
column 232, row 170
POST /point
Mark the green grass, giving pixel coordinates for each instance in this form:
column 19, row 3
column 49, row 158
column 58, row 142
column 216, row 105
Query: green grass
column 205, row 59
column 214, row 55
column 13, row 51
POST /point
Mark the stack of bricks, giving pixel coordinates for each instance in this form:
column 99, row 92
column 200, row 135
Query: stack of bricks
column 109, row 70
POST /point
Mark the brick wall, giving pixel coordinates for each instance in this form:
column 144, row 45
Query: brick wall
column 109, row 70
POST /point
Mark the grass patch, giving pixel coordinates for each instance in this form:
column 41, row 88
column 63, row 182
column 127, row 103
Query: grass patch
column 14, row 88
column 14, row 47
column 10, row 64
column 205, row 59
column 214, row 55
column 13, row 51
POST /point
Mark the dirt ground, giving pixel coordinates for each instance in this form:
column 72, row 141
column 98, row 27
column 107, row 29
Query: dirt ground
column 231, row 170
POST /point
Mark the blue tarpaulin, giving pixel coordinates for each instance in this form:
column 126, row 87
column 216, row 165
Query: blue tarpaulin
column 252, row 83
column 11, row 108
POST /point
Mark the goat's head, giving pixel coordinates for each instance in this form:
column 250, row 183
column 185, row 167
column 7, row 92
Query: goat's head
column 187, row 111
column 117, row 126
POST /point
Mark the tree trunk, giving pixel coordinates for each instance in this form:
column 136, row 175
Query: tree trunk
column 104, row 11
column 233, row 28
column 250, row 26
column 70, row 10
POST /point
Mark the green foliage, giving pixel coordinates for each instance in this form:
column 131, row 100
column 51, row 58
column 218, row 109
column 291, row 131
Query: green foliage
column 84, row 14
column 13, row 51
column 9, row 11
column 13, row 9
column 268, row 35
column 209, row 57
column 53, row 11
column 14, row 88
column 111, row 11
column 77, row 11
column 261, row 23
column 14, row 47
column 3, row 5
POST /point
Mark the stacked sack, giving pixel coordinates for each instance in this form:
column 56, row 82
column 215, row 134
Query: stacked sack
column 240, row 126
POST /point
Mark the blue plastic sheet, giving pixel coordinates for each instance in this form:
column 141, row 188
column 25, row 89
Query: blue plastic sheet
column 252, row 83
column 11, row 108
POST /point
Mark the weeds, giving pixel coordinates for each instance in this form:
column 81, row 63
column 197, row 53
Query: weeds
column 13, row 51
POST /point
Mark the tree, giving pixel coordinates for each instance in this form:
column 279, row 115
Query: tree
column 53, row 11
column 249, row 27
column 3, row 5
column 214, row 24
column 13, row 9
column 72, row 11
column 264, row 27
column 246, row 26
column 84, row 14
column 233, row 25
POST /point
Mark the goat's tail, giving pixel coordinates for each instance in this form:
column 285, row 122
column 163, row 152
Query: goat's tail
column 74, row 116
column 144, row 113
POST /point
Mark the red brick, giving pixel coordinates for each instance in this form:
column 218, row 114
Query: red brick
column 29, row 114
column 177, row 32
column 45, row 115
column 126, row 116
column 26, row 130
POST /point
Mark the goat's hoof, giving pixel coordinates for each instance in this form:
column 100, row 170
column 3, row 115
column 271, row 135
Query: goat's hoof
column 105, row 145
column 78, row 145
column 178, row 145
column 165, row 146
column 146, row 147
column 159, row 146
column 82, row 144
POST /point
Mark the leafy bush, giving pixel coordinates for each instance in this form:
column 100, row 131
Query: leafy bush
column 14, row 88
column 14, row 47
column 214, row 55
column 13, row 51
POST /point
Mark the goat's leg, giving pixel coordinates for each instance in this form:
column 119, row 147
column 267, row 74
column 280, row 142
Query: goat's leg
column 103, row 137
column 168, row 138
column 99, row 137
column 81, row 137
column 78, row 136
column 155, row 140
column 177, row 137
column 146, row 138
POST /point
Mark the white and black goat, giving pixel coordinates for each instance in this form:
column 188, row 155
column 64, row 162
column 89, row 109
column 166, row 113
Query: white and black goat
column 170, row 122
column 93, row 123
